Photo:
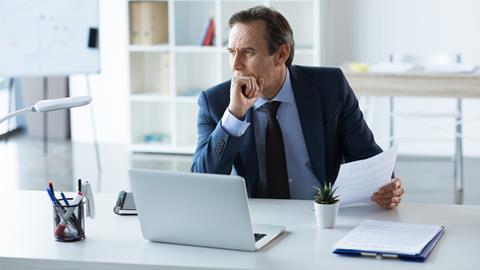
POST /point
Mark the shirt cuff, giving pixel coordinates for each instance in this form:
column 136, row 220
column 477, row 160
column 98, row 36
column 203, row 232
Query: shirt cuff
column 233, row 125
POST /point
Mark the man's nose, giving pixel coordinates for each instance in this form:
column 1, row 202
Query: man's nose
column 237, row 63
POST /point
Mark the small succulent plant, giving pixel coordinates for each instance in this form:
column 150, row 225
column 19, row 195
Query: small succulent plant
column 325, row 194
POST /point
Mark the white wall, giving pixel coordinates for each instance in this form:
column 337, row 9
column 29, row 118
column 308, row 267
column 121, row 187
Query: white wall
column 354, row 30
column 369, row 30
column 110, row 87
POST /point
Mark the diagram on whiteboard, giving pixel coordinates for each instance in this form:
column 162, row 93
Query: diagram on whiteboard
column 48, row 37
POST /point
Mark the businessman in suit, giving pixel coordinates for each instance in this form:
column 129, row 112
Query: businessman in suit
column 284, row 128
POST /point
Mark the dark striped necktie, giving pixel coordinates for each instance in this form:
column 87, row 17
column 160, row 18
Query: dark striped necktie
column 275, row 162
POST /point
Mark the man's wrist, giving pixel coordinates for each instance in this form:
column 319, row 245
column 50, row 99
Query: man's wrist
column 240, row 115
column 234, row 126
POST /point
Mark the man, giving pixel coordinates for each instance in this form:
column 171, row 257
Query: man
column 284, row 128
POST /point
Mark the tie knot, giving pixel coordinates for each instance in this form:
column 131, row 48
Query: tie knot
column 272, row 108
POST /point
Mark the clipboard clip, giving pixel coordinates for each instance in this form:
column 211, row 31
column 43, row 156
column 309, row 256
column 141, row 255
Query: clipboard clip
column 379, row 255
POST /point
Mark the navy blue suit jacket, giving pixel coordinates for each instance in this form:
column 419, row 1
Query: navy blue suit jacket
column 332, row 124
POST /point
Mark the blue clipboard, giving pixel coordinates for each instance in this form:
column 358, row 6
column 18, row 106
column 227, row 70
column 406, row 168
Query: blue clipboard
column 420, row 257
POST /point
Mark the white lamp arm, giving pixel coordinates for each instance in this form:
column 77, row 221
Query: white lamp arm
column 60, row 103
column 52, row 105
column 24, row 110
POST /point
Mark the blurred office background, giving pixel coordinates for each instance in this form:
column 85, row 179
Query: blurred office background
column 144, row 99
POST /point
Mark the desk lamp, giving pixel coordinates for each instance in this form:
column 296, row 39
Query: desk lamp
column 48, row 105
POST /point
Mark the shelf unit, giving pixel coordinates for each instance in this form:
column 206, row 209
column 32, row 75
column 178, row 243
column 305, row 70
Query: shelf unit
column 165, row 78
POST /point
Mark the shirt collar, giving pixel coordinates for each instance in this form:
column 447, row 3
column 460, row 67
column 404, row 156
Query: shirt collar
column 285, row 94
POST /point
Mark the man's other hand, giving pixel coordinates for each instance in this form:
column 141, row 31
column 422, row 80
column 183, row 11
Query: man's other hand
column 389, row 195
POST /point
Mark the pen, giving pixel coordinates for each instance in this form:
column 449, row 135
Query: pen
column 64, row 198
column 52, row 197
column 50, row 185
column 74, row 218
column 55, row 203
column 62, row 225
column 79, row 185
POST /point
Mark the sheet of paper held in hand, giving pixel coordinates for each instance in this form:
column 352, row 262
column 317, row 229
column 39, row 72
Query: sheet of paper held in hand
column 358, row 180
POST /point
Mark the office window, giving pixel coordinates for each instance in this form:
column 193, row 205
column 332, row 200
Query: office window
column 7, row 102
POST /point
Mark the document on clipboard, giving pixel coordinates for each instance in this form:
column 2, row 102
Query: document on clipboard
column 390, row 239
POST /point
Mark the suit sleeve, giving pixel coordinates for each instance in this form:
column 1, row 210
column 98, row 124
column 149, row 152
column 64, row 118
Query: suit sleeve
column 216, row 148
column 356, row 137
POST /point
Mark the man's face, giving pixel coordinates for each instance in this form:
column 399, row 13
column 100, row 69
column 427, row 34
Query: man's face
column 249, row 54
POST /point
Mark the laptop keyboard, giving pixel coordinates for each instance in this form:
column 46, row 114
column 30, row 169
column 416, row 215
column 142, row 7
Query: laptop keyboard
column 258, row 236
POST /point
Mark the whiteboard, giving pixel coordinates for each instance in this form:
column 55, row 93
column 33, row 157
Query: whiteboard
column 47, row 37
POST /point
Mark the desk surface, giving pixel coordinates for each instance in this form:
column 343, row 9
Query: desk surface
column 115, row 242
column 415, row 84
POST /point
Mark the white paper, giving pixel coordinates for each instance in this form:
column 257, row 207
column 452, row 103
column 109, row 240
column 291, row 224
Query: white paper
column 389, row 237
column 454, row 68
column 357, row 181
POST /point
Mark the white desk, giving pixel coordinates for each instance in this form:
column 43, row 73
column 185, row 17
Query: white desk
column 115, row 242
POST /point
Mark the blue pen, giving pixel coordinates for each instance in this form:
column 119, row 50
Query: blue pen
column 59, row 211
column 52, row 197
column 64, row 198
column 50, row 185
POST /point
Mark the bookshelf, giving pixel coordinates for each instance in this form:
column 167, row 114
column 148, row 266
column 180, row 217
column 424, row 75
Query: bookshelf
column 168, row 66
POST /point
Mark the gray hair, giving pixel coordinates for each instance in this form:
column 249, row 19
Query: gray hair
column 278, row 29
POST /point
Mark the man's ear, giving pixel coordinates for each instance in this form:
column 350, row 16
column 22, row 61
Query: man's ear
column 282, row 54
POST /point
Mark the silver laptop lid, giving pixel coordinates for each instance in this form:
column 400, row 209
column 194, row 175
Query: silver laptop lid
column 194, row 209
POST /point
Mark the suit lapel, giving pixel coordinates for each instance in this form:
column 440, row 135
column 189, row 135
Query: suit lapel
column 311, row 119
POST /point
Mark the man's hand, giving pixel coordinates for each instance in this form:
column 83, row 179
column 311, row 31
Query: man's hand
column 390, row 195
column 244, row 91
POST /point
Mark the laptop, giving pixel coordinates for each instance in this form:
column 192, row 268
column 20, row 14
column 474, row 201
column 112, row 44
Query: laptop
column 207, row 210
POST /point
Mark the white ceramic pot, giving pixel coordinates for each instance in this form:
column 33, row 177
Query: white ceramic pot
column 326, row 214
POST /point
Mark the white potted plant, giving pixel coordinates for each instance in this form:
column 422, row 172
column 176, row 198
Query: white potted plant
column 326, row 205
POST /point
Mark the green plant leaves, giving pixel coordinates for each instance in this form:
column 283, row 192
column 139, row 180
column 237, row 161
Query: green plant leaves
column 325, row 194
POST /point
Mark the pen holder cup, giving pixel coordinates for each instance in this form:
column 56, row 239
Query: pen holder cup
column 69, row 222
